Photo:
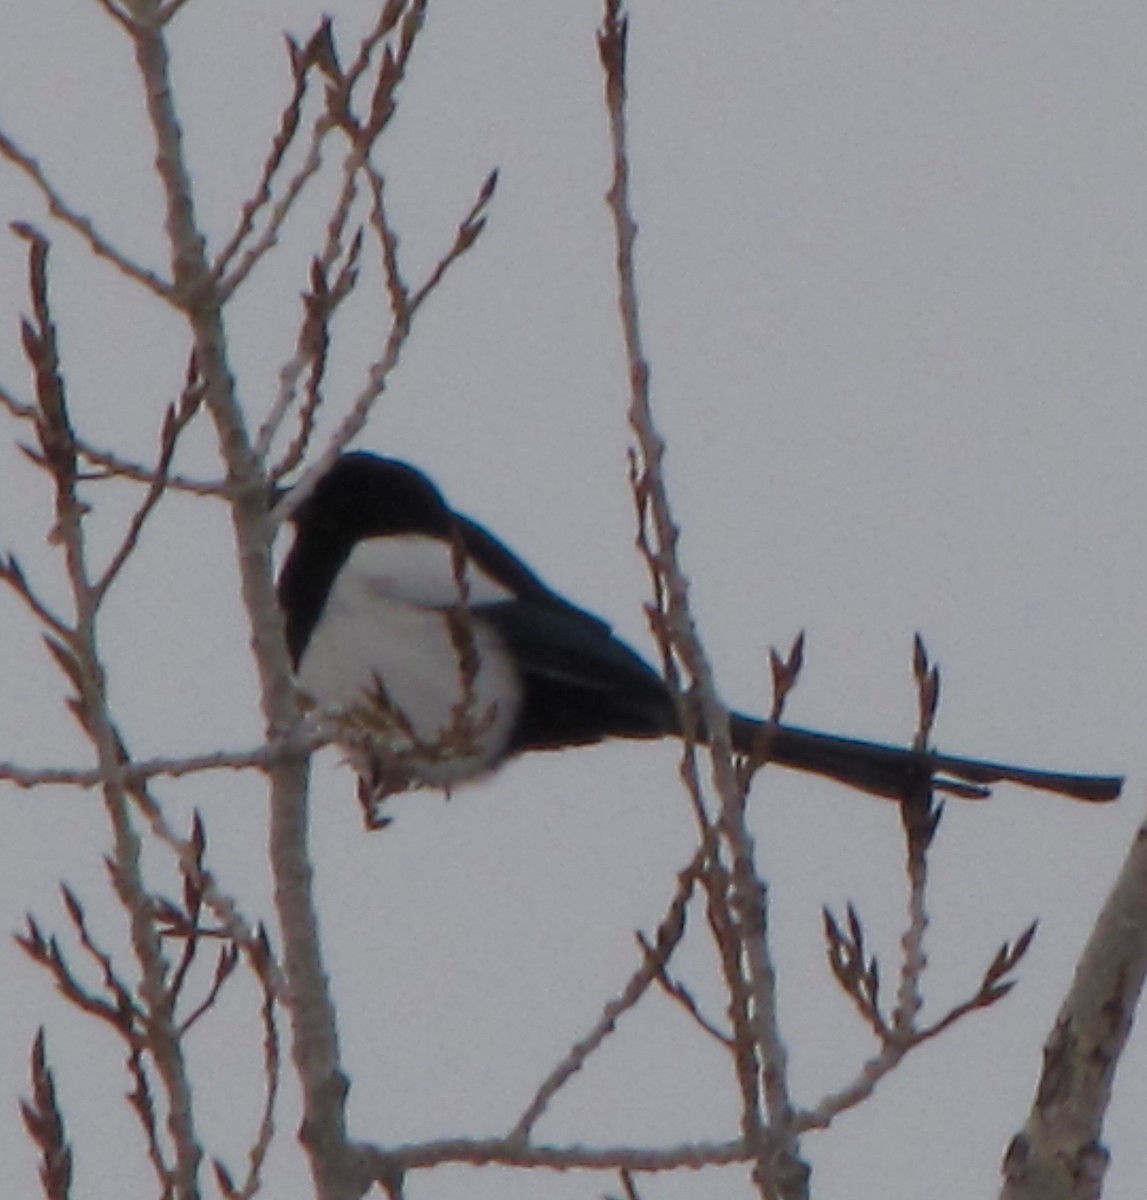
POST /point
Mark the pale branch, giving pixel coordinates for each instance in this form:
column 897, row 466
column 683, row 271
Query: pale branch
column 189, row 856
column 857, row 973
column 225, row 966
column 311, row 345
column 78, row 222
column 680, row 994
column 821, row 1116
column 142, row 1102
column 320, row 305
column 404, row 300
column 316, row 54
column 505, row 1152
column 316, row 1050
column 744, row 1049
column 469, row 230
column 777, row 1168
column 234, row 279
column 412, row 13
column 378, row 375
column 262, row 963
column 669, row 934
column 920, row 817
column 81, row 662
column 113, row 466
column 114, row 1009
column 397, row 291
column 362, row 136
column 129, row 773
column 1059, row 1155
column 993, row 987
column 176, row 420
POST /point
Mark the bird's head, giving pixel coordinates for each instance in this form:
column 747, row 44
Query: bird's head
column 364, row 495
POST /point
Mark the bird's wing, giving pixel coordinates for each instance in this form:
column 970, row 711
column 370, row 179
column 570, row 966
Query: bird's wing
column 581, row 683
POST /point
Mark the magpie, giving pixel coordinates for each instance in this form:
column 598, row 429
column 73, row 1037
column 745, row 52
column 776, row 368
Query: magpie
column 439, row 655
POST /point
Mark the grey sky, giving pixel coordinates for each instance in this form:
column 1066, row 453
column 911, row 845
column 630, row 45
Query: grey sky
column 892, row 261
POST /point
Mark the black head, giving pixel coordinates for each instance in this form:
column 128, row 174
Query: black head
column 361, row 496
column 364, row 495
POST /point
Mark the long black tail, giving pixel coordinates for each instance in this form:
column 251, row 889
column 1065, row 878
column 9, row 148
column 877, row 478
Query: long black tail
column 893, row 772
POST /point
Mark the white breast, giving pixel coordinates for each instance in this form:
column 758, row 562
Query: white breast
column 384, row 656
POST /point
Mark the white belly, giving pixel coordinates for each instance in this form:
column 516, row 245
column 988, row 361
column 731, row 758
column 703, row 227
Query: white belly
column 392, row 671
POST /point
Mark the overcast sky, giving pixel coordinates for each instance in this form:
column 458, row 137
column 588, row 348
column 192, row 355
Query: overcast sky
column 892, row 267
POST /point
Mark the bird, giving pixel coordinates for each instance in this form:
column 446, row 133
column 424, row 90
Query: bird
column 439, row 655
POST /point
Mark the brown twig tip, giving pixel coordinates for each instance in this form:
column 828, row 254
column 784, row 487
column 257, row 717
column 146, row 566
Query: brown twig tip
column 1008, row 957
column 927, row 676
column 319, row 52
column 920, row 815
column 224, row 1180
column 44, row 1121
column 785, row 672
column 855, row 970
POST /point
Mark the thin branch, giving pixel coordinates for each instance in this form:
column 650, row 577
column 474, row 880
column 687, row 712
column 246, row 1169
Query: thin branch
column 44, row 1122
column 79, row 659
column 320, row 305
column 317, row 54
column 669, row 934
column 777, row 1164
column 12, row 574
column 504, row 1152
column 122, row 19
column 127, row 774
column 170, row 10
column 263, row 964
column 175, row 421
column 79, row 223
column 681, row 995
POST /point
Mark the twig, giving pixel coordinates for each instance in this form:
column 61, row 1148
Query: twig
column 175, row 421
column 317, row 54
column 504, row 1152
column 78, row 222
column 777, row 1165
column 669, row 934
column 132, row 773
column 44, row 1121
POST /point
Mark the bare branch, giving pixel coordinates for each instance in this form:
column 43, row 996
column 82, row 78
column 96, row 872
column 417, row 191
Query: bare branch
column 469, row 231
column 785, row 672
column 679, row 993
column 44, row 1122
column 778, row 1168
column 175, row 421
column 129, row 774
column 1058, row 1155
column 857, row 972
column 13, row 575
column 320, row 303
column 83, row 225
column 669, row 934
column 317, row 54
column 504, row 1152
